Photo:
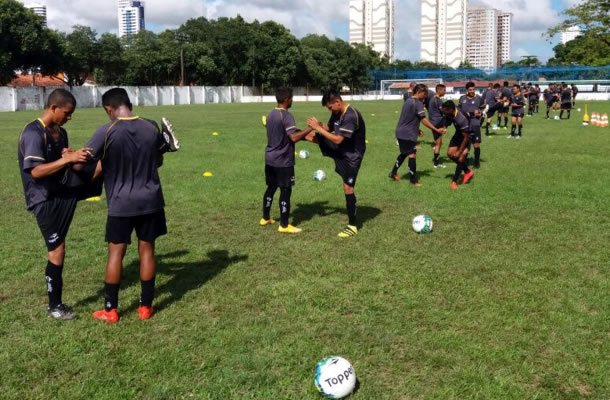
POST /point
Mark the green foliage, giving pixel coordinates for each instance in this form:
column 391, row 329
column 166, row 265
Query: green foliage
column 111, row 62
column 80, row 56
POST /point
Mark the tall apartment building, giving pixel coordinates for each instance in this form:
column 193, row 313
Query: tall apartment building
column 488, row 37
column 39, row 9
column 131, row 17
column 570, row 34
column 443, row 31
column 372, row 22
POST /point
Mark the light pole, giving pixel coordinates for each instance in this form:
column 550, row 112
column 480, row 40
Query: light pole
column 181, row 38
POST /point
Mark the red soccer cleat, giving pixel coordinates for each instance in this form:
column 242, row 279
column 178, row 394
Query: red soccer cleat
column 145, row 312
column 111, row 317
column 395, row 177
column 468, row 176
column 454, row 185
column 416, row 184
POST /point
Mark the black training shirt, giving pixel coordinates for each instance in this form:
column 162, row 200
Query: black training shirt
column 350, row 125
column 280, row 149
column 410, row 117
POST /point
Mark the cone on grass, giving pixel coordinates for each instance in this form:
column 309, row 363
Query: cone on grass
column 604, row 120
column 595, row 119
column 585, row 119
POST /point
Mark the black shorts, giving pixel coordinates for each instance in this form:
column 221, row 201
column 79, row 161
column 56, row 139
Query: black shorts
column 549, row 104
column 407, row 147
column 438, row 124
column 348, row 170
column 503, row 110
column 566, row 106
column 518, row 114
column 475, row 132
column 54, row 217
column 456, row 140
column 148, row 227
column 328, row 148
column 533, row 101
column 279, row 176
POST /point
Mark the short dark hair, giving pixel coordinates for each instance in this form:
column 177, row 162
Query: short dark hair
column 470, row 84
column 449, row 105
column 497, row 86
column 282, row 94
column 490, row 84
column 440, row 86
column 420, row 87
column 505, row 83
column 517, row 86
column 59, row 98
column 330, row 96
column 116, row 98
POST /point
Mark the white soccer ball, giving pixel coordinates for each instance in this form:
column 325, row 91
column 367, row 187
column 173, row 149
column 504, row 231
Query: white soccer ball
column 557, row 117
column 579, row 110
column 319, row 175
column 335, row 377
column 422, row 224
column 303, row 154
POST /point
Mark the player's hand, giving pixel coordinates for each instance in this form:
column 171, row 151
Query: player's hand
column 420, row 133
column 80, row 156
column 442, row 131
column 66, row 150
column 477, row 113
column 313, row 123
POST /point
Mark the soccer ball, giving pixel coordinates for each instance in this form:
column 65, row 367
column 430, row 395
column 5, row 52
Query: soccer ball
column 422, row 224
column 319, row 175
column 557, row 117
column 303, row 154
column 335, row 377
column 579, row 110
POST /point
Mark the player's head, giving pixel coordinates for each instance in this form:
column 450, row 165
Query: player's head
column 333, row 101
column 490, row 85
column 441, row 90
column 419, row 91
column 61, row 104
column 449, row 108
column 497, row 86
column 505, row 83
column 470, row 88
column 283, row 96
column 564, row 85
column 516, row 89
column 114, row 99
column 537, row 85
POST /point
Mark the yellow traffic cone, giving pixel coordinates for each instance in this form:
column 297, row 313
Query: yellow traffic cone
column 604, row 120
column 586, row 119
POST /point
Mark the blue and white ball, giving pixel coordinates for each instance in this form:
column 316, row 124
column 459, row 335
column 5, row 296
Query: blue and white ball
column 422, row 224
column 303, row 154
column 319, row 175
column 335, row 377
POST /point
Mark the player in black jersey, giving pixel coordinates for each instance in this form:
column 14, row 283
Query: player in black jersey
column 566, row 100
column 537, row 105
column 436, row 118
column 517, row 102
column 460, row 143
column 574, row 93
column 549, row 99
column 470, row 106
column 505, row 94
column 532, row 97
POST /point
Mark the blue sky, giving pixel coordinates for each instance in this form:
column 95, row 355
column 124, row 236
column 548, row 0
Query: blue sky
column 531, row 18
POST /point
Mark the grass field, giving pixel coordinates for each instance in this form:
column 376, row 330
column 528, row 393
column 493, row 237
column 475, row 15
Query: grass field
column 508, row 298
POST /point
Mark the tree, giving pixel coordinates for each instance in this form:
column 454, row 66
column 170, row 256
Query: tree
column 25, row 44
column 111, row 65
column 80, row 54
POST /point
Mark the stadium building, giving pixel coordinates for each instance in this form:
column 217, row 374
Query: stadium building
column 570, row 34
column 372, row 22
column 443, row 31
column 488, row 37
column 39, row 9
column 131, row 17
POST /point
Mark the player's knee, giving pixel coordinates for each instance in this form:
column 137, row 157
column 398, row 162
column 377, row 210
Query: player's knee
column 57, row 255
column 347, row 189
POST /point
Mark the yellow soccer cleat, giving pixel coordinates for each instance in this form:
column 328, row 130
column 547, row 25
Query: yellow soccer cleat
column 289, row 229
column 264, row 222
column 349, row 231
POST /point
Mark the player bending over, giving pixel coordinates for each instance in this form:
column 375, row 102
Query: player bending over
column 343, row 140
column 407, row 131
column 460, row 143
column 282, row 134
column 517, row 102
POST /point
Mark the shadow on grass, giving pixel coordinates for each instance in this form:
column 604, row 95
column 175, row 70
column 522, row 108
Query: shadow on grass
column 184, row 276
column 306, row 212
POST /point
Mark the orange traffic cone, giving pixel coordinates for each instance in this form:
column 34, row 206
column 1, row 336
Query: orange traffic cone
column 604, row 120
column 595, row 119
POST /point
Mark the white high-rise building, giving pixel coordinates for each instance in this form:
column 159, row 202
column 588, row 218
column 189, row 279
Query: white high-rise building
column 131, row 17
column 443, row 31
column 505, row 37
column 570, row 34
column 372, row 22
column 488, row 37
column 39, row 9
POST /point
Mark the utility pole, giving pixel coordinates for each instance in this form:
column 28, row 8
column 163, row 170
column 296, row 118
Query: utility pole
column 181, row 38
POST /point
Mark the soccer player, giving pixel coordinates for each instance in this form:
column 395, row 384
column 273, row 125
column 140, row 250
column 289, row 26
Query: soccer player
column 491, row 99
column 460, row 143
column 532, row 98
column 505, row 95
column 44, row 160
column 470, row 106
column 557, row 97
column 407, row 131
column 344, row 140
column 282, row 134
column 566, row 101
column 574, row 93
column 409, row 91
column 549, row 99
column 537, row 88
column 130, row 149
column 436, row 117
column 517, row 102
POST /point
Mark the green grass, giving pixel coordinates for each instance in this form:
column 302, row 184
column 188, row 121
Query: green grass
column 508, row 298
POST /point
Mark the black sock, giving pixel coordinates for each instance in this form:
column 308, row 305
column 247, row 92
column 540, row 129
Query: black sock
column 520, row 129
column 111, row 296
column 147, row 294
column 465, row 166
column 55, row 283
column 399, row 160
column 458, row 171
column 285, row 194
column 412, row 170
column 267, row 201
column 436, row 158
column 569, row 112
column 477, row 155
column 505, row 121
column 547, row 112
column 512, row 130
column 561, row 114
column 487, row 129
column 499, row 121
column 350, row 204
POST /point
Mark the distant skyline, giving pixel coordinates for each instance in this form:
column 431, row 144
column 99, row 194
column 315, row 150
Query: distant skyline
column 531, row 18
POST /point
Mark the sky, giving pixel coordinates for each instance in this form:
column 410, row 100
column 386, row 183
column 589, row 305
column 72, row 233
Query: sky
column 531, row 18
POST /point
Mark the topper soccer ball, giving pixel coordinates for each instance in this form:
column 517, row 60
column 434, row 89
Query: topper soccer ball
column 319, row 175
column 303, row 154
column 335, row 377
column 422, row 224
